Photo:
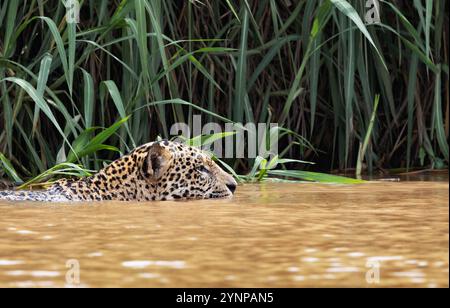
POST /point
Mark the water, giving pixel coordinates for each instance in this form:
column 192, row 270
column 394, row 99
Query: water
column 272, row 235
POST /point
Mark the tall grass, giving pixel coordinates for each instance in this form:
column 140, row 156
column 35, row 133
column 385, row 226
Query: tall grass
column 312, row 66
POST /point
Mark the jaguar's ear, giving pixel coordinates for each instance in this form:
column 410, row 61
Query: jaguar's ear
column 156, row 163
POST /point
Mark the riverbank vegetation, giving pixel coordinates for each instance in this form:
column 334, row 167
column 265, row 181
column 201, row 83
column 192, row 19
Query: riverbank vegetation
column 346, row 93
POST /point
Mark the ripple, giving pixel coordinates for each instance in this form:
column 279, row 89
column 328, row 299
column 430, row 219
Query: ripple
column 25, row 232
column 411, row 274
column 16, row 273
column 10, row 262
column 36, row 274
column 299, row 278
column 149, row 275
column 138, row 264
column 45, row 274
column 35, row 284
column 336, row 264
column 384, row 258
column 311, row 250
column 356, row 254
column 423, row 264
column 272, row 278
column 328, row 235
column 310, row 260
column 340, row 249
column 418, row 280
column 343, row 270
column 95, row 254
column 417, row 262
column 131, row 227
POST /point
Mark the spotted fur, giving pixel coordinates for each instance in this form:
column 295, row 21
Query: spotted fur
column 154, row 171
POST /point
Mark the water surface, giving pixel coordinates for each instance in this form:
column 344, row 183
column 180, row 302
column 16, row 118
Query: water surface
column 271, row 235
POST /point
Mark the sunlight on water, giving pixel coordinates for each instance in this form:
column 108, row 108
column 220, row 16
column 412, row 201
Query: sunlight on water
column 34, row 273
column 144, row 264
column 273, row 235
column 9, row 262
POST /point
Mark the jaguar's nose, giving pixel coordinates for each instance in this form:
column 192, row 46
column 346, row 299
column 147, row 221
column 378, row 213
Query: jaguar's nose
column 232, row 187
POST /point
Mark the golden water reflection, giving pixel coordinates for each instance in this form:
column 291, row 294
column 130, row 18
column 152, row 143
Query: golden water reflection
column 271, row 235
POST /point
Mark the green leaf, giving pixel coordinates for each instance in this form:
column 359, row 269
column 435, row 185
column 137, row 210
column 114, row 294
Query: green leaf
column 438, row 118
column 32, row 92
column 88, row 101
column 315, row 177
column 60, row 47
column 363, row 149
column 72, row 31
column 10, row 25
column 117, row 99
column 348, row 10
column 241, row 72
column 41, row 84
column 84, row 145
column 60, row 169
column 9, row 169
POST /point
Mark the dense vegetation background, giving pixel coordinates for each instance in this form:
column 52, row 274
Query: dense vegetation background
column 310, row 66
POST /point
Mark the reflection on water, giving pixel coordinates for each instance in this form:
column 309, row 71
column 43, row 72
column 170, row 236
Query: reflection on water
column 273, row 235
column 417, row 176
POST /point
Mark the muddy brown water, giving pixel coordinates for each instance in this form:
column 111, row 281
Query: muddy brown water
column 269, row 235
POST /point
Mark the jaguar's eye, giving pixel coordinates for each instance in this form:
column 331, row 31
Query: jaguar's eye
column 202, row 169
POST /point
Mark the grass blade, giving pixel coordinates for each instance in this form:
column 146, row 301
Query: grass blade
column 9, row 169
column 364, row 145
column 314, row 177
